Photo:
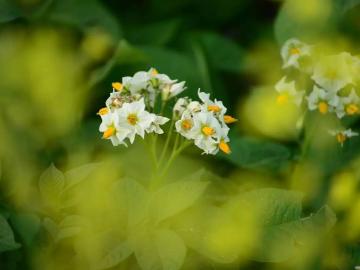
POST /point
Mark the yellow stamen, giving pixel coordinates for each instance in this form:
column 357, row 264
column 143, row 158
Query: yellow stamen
column 295, row 51
column 282, row 99
column 109, row 132
column 208, row 131
column 186, row 124
column 117, row 86
column 323, row 107
column 352, row 109
column 223, row 146
column 228, row 119
column 341, row 138
column 132, row 119
column 214, row 108
column 103, row 111
column 154, row 72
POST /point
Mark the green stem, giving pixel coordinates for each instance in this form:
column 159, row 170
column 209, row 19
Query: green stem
column 166, row 146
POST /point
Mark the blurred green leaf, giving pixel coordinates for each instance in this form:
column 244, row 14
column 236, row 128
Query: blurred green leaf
column 171, row 249
column 79, row 174
column 254, row 153
column 158, row 33
column 274, row 206
column 115, row 256
column 84, row 14
column 27, row 226
column 8, row 11
column 136, row 199
column 176, row 197
column 7, row 241
column 51, row 183
column 284, row 232
column 222, row 53
column 162, row 249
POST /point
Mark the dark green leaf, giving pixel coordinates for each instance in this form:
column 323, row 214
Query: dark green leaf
column 254, row 153
column 7, row 241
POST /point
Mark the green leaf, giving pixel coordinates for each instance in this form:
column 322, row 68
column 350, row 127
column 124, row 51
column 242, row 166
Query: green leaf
column 79, row 174
column 273, row 206
column 8, row 12
column 160, row 249
column 51, row 183
column 7, row 241
column 136, row 199
column 222, row 53
column 254, row 153
column 83, row 14
column 176, row 197
column 171, row 248
column 158, row 33
column 27, row 226
column 116, row 255
column 283, row 229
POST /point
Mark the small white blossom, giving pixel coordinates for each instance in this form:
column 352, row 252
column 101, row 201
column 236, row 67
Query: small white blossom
column 348, row 105
column 172, row 90
column 342, row 135
column 111, row 129
column 155, row 125
column 185, row 125
column 287, row 92
column 215, row 106
column 321, row 100
column 292, row 50
column 132, row 116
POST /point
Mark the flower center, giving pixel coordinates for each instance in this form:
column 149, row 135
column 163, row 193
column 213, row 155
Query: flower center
column 323, row 107
column 186, row 124
column 295, row 51
column 103, row 111
column 229, row 119
column 208, row 131
column 154, row 72
column 352, row 109
column 132, row 119
column 117, row 86
column 214, row 108
column 341, row 138
column 109, row 132
column 223, row 146
column 282, row 99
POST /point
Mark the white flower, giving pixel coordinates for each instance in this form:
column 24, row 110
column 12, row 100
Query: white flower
column 206, row 132
column 342, row 135
column 180, row 106
column 155, row 125
column 287, row 92
column 172, row 90
column 348, row 105
column 185, row 125
column 136, row 83
column 321, row 100
column 292, row 51
column 110, row 127
column 132, row 116
column 334, row 72
column 215, row 106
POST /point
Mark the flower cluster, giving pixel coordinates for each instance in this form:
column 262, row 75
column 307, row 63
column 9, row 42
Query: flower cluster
column 318, row 82
column 131, row 110
column 204, row 122
column 127, row 112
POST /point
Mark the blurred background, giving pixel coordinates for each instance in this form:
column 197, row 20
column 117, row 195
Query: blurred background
column 58, row 179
